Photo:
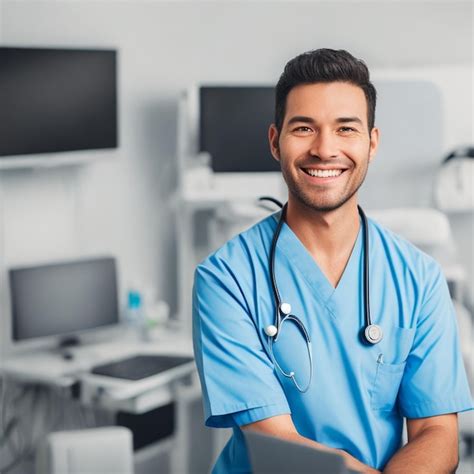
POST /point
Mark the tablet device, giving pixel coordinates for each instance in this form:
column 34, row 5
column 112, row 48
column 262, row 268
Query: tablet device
column 269, row 454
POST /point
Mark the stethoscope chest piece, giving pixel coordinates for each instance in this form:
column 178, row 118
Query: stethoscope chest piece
column 373, row 334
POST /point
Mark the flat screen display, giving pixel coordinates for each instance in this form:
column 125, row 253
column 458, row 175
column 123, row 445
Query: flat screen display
column 63, row 298
column 233, row 128
column 56, row 100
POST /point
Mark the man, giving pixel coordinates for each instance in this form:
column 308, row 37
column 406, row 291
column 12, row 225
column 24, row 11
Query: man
column 341, row 392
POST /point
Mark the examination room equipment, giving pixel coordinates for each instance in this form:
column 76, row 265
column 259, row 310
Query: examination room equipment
column 212, row 157
column 454, row 190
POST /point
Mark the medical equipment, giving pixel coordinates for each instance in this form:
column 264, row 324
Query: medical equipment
column 453, row 190
column 371, row 333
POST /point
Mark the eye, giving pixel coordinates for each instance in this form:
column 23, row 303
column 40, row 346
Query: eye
column 347, row 129
column 302, row 128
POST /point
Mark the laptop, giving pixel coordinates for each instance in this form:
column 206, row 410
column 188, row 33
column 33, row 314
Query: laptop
column 269, row 454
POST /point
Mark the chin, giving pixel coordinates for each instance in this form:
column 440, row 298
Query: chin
column 323, row 205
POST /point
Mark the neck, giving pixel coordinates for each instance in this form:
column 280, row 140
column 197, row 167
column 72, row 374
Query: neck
column 327, row 234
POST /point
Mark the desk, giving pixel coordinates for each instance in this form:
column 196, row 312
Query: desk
column 180, row 385
column 48, row 367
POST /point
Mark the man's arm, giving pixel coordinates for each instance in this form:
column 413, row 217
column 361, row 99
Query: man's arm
column 282, row 426
column 432, row 447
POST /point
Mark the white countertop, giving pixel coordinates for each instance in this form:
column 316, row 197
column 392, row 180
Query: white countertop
column 47, row 366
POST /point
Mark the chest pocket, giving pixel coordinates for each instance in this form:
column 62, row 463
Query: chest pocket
column 389, row 368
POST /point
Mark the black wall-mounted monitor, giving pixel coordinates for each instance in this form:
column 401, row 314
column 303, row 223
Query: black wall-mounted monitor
column 63, row 298
column 233, row 127
column 57, row 100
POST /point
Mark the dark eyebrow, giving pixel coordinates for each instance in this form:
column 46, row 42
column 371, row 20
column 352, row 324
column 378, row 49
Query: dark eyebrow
column 304, row 119
column 300, row 118
column 349, row 120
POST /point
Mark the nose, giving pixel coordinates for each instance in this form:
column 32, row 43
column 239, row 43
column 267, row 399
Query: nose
column 324, row 145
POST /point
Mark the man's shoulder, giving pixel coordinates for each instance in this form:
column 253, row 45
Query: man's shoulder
column 244, row 248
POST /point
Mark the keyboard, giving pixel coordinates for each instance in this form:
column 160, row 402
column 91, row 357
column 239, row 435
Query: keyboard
column 140, row 366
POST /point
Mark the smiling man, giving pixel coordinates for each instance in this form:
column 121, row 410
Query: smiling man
column 317, row 325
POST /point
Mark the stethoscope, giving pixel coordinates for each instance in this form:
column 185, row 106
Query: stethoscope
column 371, row 333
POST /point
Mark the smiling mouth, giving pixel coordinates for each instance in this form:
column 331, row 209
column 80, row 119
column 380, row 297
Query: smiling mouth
column 319, row 173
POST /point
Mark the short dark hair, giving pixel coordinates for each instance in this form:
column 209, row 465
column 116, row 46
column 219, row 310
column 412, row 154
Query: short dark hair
column 324, row 65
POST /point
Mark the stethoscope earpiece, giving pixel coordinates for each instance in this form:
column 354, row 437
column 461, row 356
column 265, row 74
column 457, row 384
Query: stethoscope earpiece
column 285, row 308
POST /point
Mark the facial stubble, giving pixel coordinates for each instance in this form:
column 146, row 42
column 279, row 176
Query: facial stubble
column 300, row 194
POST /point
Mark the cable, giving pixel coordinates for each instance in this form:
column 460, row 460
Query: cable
column 35, row 414
column 7, row 430
column 19, row 449
column 14, row 423
column 33, row 417
column 3, row 408
column 271, row 199
column 3, row 392
column 29, row 430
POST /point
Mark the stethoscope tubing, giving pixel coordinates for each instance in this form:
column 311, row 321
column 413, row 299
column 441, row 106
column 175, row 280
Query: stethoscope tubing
column 368, row 319
column 276, row 293
column 372, row 333
column 291, row 375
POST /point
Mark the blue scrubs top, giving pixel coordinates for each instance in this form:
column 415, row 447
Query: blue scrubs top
column 359, row 393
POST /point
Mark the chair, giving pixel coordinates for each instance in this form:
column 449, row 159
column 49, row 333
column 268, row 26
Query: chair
column 88, row 451
column 430, row 230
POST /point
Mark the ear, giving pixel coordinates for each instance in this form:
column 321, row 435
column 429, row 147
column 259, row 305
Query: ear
column 374, row 143
column 273, row 137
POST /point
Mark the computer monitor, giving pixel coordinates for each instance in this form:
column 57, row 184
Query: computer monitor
column 233, row 127
column 56, row 100
column 62, row 299
column 223, row 149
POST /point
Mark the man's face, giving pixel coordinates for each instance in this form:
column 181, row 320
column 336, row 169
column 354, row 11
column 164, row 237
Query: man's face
column 324, row 146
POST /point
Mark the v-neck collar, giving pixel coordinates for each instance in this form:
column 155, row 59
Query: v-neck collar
column 300, row 258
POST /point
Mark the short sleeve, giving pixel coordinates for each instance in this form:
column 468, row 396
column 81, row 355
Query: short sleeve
column 435, row 382
column 237, row 376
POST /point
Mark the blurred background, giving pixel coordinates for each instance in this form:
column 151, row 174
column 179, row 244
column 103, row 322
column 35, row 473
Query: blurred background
column 133, row 143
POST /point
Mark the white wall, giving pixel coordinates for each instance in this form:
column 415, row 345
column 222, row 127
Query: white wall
column 120, row 205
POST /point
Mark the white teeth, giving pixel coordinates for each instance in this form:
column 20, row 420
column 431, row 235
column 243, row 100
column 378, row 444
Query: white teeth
column 323, row 173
